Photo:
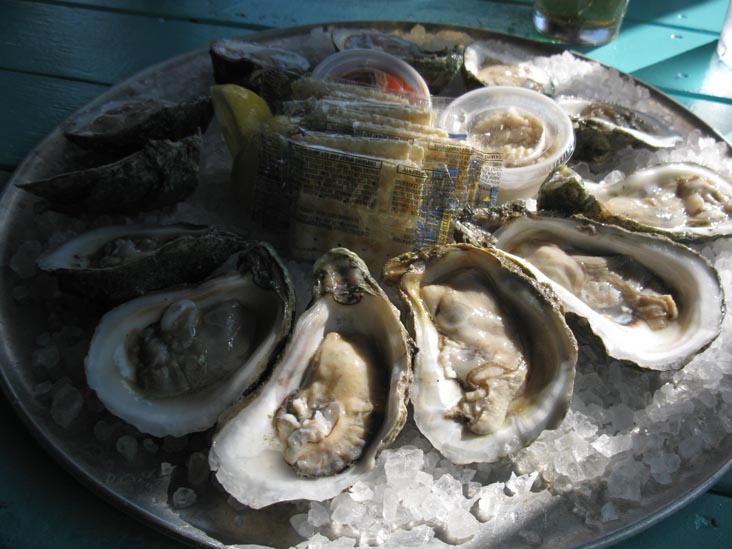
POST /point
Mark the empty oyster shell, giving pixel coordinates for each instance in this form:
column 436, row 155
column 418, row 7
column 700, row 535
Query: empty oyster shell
column 651, row 301
column 161, row 174
column 486, row 66
column 496, row 359
column 684, row 201
column 602, row 129
column 124, row 127
column 336, row 398
column 120, row 262
column 171, row 362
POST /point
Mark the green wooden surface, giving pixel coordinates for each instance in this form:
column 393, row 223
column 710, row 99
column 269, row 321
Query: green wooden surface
column 73, row 39
column 39, row 104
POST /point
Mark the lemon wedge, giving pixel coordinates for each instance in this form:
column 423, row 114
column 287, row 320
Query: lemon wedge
column 240, row 112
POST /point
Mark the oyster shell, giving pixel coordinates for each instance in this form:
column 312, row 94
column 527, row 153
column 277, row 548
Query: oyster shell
column 684, row 201
column 437, row 66
column 171, row 362
column 496, row 359
column 484, row 65
column 161, row 174
column 651, row 301
column 120, row 262
column 124, row 127
column 602, row 129
column 336, row 398
column 266, row 70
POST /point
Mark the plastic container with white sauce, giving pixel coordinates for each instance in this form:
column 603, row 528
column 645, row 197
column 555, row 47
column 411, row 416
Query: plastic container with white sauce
column 485, row 118
column 377, row 69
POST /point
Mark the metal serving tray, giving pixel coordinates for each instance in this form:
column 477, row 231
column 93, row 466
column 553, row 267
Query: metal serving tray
column 144, row 488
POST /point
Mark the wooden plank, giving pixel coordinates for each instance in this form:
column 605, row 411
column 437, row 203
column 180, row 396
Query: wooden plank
column 696, row 71
column 636, row 37
column 39, row 104
column 91, row 45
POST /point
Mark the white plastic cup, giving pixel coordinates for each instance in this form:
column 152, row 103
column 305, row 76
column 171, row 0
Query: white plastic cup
column 516, row 182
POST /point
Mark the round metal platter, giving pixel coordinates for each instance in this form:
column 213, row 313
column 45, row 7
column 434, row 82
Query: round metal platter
column 145, row 486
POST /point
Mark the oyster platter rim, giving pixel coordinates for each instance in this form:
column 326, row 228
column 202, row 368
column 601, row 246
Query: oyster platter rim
column 146, row 506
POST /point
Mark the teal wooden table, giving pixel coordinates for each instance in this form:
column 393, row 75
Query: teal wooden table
column 56, row 55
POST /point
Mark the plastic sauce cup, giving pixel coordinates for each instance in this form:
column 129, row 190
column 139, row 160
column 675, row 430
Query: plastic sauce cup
column 375, row 69
column 519, row 179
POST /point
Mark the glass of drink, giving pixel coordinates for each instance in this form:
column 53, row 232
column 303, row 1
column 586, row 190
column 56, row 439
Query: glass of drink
column 581, row 22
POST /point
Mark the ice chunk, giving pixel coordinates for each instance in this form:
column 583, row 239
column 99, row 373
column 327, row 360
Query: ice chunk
column 625, row 480
column 23, row 261
column 127, row 446
column 361, row 492
column 460, row 526
column 183, row 498
column 344, row 510
column 318, row 515
column 492, row 499
column 66, row 405
column 301, row 525
column 401, row 466
column 198, row 469
column 521, row 485
column 609, row 446
column 609, row 512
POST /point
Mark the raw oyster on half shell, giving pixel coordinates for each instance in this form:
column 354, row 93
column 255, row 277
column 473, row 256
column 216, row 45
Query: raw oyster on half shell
column 651, row 301
column 120, row 262
column 496, row 359
column 485, row 66
column 602, row 129
column 684, row 201
column 169, row 363
column 336, row 398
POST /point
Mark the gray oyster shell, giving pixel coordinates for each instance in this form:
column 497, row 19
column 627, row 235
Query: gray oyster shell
column 266, row 70
column 247, row 453
column 146, row 394
column 647, row 263
column 117, row 263
column 437, row 67
column 162, row 173
column 602, row 129
column 123, row 127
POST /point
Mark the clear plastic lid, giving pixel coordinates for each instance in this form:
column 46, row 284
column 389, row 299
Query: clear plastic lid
column 376, row 69
column 531, row 132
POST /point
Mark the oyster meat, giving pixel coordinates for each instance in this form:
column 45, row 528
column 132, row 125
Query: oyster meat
column 602, row 129
column 336, row 398
column 120, row 262
column 161, row 174
column 170, row 363
column 684, row 201
column 496, row 359
column 651, row 301
column 124, row 127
